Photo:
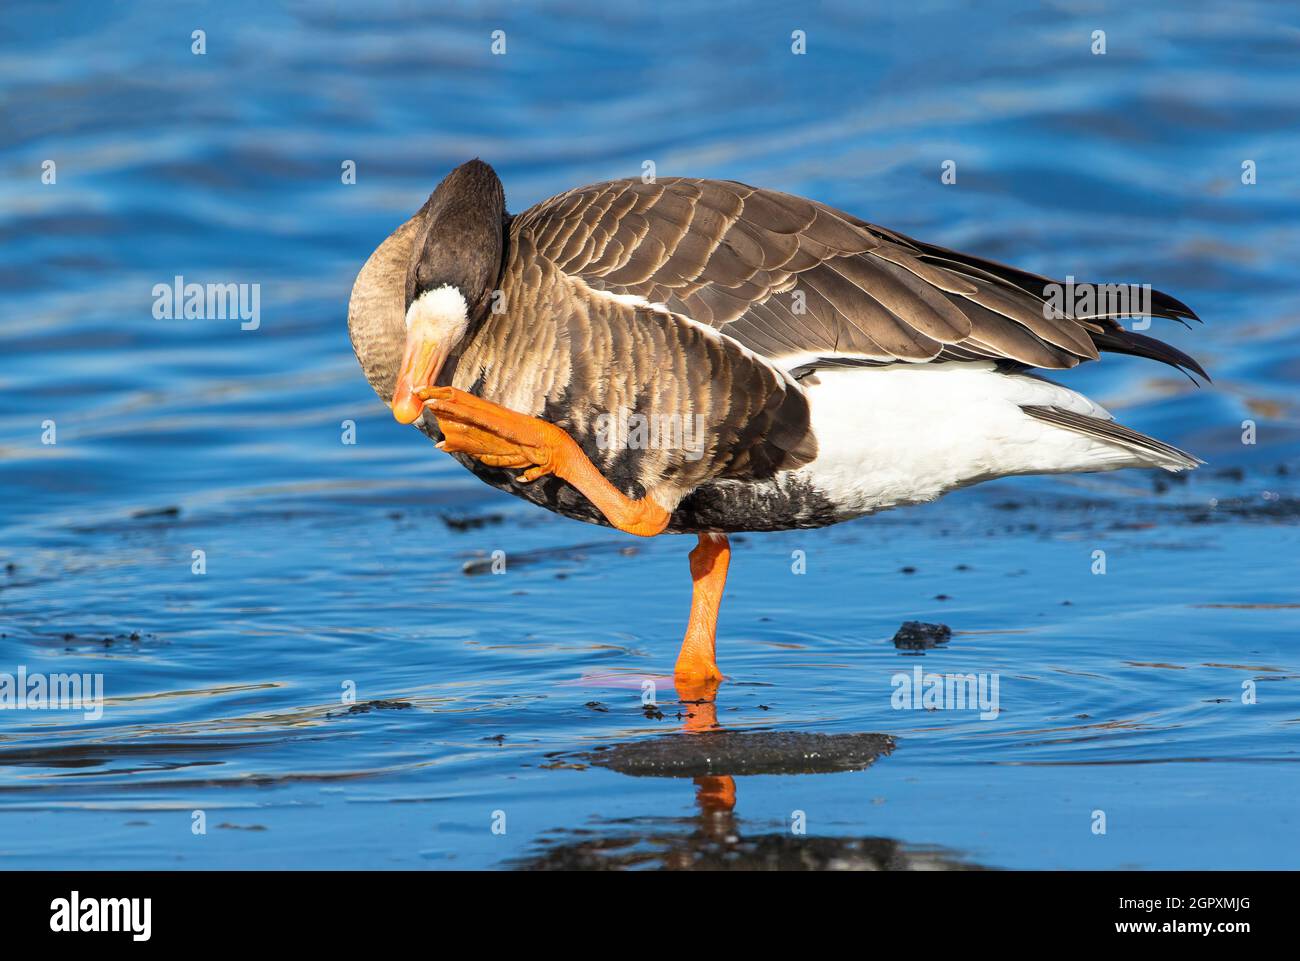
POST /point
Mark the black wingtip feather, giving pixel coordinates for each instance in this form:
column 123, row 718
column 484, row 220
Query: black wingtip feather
column 1163, row 305
column 1172, row 307
column 1116, row 340
column 1120, row 341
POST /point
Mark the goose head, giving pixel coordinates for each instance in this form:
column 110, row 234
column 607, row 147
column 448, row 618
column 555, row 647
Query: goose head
column 427, row 286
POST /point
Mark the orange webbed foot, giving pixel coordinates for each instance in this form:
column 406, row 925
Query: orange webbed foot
column 697, row 689
column 501, row 437
column 496, row 435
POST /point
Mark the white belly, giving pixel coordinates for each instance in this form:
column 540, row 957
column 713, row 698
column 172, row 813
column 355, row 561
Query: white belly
column 907, row 433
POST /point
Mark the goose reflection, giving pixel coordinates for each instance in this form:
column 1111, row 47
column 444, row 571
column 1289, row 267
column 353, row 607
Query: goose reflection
column 712, row 757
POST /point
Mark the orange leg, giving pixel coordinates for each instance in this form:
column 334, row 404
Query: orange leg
column 504, row 438
column 500, row 437
column 697, row 666
column 715, row 794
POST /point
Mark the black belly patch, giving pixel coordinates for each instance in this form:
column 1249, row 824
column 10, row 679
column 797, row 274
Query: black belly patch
column 787, row 502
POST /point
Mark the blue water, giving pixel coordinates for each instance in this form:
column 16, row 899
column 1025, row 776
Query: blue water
column 331, row 567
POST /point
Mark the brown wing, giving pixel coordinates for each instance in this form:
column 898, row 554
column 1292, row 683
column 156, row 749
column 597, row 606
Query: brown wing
column 801, row 282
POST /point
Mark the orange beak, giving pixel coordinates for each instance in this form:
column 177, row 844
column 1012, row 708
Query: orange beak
column 421, row 362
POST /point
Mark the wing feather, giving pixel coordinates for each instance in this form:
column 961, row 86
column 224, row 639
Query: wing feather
column 792, row 278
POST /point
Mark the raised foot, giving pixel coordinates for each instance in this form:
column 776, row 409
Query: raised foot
column 497, row 436
column 500, row 437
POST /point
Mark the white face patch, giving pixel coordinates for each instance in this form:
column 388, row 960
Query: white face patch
column 444, row 310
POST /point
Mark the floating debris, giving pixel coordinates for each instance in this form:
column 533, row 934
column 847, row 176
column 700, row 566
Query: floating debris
column 366, row 707
column 920, row 636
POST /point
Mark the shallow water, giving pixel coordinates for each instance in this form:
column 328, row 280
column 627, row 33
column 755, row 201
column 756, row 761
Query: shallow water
column 484, row 698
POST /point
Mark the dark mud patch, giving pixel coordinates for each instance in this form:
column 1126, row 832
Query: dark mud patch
column 1267, row 507
column 469, row 522
column 742, row 752
column 711, row 849
column 148, row 518
column 153, row 513
column 95, row 755
column 73, row 642
column 575, row 552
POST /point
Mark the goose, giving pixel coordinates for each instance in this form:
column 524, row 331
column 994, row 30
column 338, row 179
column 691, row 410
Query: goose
column 689, row 356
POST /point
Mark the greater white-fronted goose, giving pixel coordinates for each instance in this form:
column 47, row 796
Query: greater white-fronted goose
column 700, row 356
